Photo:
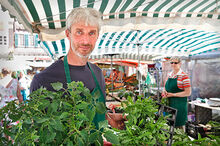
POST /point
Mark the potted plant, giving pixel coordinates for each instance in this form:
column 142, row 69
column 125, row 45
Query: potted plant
column 64, row 117
column 141, row 128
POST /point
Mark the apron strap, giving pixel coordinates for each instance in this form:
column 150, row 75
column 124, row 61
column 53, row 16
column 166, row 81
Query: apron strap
column 94, row 77
column 96, row 81
column 67, row 70
column 68, row 78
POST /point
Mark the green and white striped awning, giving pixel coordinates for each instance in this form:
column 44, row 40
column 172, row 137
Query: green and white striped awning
column 157, row 42
column 53, row 13
column 184, row 27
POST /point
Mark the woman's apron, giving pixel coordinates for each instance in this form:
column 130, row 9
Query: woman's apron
column 179, row 103
column 96, row 91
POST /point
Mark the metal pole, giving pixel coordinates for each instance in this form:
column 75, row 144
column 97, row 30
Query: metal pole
column 139, row 76
column 111, row 55
column 112, row 75
column 158, row 84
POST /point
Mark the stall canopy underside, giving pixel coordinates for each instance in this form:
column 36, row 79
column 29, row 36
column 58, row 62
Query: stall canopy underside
column 156, row 27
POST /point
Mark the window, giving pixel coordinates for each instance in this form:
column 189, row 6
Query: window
column 31, row 40
column 21, row 40
column 1, row 40
column 5, row 40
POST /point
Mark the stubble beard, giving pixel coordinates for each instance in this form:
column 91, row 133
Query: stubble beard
column 78, row 53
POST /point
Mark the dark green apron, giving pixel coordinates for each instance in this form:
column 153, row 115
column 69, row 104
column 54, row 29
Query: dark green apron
column 97, row 92
column 179, row 103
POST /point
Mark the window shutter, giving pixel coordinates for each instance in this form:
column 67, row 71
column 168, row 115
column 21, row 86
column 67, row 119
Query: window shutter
column 36, row 40
column 16, row 40
column 26, row 40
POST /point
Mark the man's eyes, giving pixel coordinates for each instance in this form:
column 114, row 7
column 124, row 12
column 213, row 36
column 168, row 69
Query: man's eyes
column 79, row 32
column 92, row 33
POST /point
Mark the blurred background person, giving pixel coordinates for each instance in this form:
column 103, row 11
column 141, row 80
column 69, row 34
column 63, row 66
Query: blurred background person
column 177, row 89
column 5, row 78
column 24, row 83
column 11, row 91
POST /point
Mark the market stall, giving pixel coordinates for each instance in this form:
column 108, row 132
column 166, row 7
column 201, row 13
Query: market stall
column 138, row 30
column 157, row 28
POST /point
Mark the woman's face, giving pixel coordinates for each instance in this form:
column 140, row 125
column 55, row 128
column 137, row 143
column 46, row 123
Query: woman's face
column 175, row 64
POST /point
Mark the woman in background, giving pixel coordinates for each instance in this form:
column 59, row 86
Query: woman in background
column 177, row 89
column 11, row 92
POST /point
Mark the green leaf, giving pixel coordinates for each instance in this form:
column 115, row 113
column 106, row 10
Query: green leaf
column 50, row 129
column 111, row 137
column 41, row 120
column 82, row 105
column 28, row 121
column 84, row 134
column 34, row 137
column 69, row 143
column 96, row 95
column 80, row 141
column 60, row 137
column 103, row 124
column 64, row 115
column 45, row 104
column 90, row 113
column 100, row 108
column 67, row 105
column 43, row 135
column 99, row 140
column 126, row 141
column 141, row 122
column 80, row 84
column 57, row 86
column 79, row 124
column 53, row 107
column 92, row 137
column 50, row 137
column 82, row 117
column 56, row 124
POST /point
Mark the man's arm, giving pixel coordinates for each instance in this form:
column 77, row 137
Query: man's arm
column 35, row 84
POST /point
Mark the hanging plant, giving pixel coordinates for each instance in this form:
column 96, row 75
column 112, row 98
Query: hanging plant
column 11, row 55
column 64, row 117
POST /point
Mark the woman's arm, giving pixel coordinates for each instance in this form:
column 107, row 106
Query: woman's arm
column 164, row 92
column 184, row 93
column 20, row 97
column 9, row 84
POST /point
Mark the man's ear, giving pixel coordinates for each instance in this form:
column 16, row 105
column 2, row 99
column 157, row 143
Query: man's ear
column 67, row 32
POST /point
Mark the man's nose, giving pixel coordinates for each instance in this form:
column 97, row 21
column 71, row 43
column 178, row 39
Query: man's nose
column 85, row 39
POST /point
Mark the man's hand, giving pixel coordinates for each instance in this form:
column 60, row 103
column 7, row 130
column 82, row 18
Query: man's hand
column 116, row 120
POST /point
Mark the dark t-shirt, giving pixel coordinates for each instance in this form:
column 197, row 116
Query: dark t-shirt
column 55, row 73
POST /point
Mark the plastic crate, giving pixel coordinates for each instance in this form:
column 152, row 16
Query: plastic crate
column 192, row 129
column 170, row 121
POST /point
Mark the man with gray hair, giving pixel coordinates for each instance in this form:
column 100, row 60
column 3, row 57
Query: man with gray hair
column 82, row 31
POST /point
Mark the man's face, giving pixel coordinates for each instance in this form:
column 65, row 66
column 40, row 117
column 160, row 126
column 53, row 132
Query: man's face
column 83, row 39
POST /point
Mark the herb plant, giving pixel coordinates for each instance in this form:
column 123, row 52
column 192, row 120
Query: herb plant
column 123, row 93
column 141, row 126
column 181, row 138
column 64, row 117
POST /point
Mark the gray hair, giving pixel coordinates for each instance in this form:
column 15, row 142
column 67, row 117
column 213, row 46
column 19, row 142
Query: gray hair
column 88, row 15
column 176, row 58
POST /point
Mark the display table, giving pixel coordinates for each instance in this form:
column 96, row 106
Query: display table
column 203, row 112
